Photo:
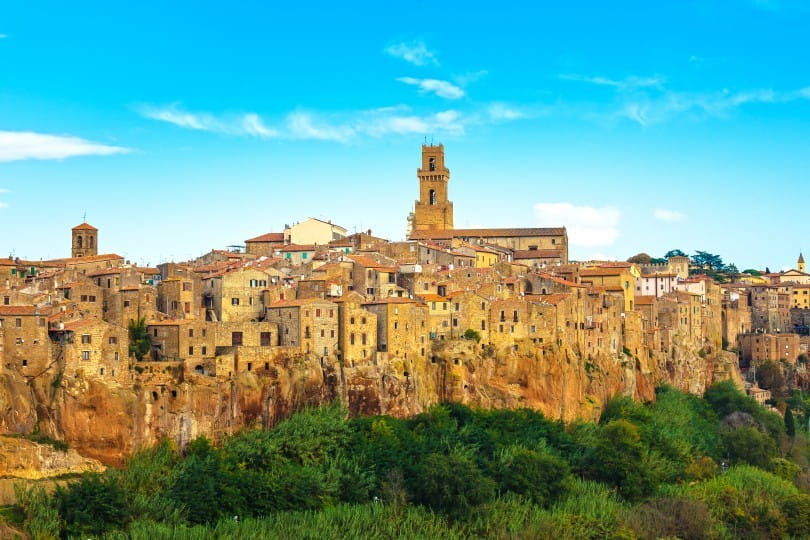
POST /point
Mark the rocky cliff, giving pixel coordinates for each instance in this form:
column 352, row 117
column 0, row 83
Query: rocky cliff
column 108, row 421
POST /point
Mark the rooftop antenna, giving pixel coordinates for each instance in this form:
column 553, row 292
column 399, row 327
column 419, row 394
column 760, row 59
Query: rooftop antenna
column 84, row 217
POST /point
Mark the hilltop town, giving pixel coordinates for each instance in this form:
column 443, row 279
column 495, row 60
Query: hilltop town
column 110, row 356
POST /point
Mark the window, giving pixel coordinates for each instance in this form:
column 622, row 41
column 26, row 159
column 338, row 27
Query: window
column 432, row 197
column 483, row 324
column 86, row 339
column 186, row 286
column 351, row 320
column 18, row 323
column 323, row 333
column 236, row 338
column 91, row 298
column 363, row 339
column 432, row 164
column 154, row 332
column 317, row 312
column 457, row 306
column 455, row 323
column 331, row 333
column 191, row 351
column 116, row 359
column 351, row 339
column 396, row 325
column 113, row 340
column 190, row 332
column 83, row 298
column 234, row 301
column 363, row 320
column 331, row 313
column 264, row 339
column 85, row 355
column 187, row 307
column 203, row 350
column 126, row 303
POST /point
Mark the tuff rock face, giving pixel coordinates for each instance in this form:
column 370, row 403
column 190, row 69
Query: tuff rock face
column 107, row 422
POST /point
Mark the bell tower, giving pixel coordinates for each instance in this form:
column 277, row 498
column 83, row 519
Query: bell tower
column 433, row 211
column 800, row 266
column 85, row 241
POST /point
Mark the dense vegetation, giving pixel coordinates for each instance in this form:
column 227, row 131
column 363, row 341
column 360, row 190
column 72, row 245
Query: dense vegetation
column 719, row 466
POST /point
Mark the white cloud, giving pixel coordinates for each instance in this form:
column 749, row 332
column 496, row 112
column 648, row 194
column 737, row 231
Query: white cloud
column 502, row 111
column 253, row 125
column 444, row 89
column 646, row 109
column 415, row 52
column 629, row 82
column 19, row 145
column 246, row 124
column 670, row 216
column 587, row 225
column 305, row 126
column 3, row 205
column 4, row 190
column 470, row 77
column 3, row 36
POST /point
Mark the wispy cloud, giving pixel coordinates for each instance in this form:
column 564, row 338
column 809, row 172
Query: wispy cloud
column 646, row 109
column 243, row 124
column 670, row 216
column 20, row 145
column 630, row 82
column 471, row 77
column 438, row 87
column 502, row 111
column 587, row 225
column 415, row 52
column 3, row 36
column 310, row 125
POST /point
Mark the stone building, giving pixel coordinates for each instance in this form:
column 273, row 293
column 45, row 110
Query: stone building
column 401, row 328
column 25, row 338
column 264, row 245
column 761, row 347
column 357, row 332
column 311, row 324
column 177, row 339
column 84, row 241
column 313, row 231
column 179, row 298
column 91, row 347
column 234, row 295
column 433, row 210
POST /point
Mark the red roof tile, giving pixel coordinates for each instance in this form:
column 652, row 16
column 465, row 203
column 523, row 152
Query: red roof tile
column 269, row 237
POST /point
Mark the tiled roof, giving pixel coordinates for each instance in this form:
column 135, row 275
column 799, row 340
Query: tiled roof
column 432, row 298
column 297, row 247
column 588, row 272
column 169, row 322
column 80, row 323
column 644, row 300
column 536, row 254
column 88, row 259
column 23, row 310
column 297, row 302
column 486, row 233
column 84, row 227
column 269, row 237
column 393, row 300
column 553, row 299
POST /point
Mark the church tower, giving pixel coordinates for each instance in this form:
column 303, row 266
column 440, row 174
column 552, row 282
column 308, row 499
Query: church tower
column 85, row 241
column 432, row 211
column 801, row 267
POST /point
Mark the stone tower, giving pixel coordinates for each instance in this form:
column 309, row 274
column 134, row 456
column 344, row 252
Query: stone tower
column 433, row 211
column 85, row 241
column 800, row 266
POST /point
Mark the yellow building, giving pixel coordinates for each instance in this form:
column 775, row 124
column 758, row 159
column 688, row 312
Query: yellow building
column 613, row 279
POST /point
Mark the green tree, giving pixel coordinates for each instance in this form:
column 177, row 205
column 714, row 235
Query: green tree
column 539, row 475
column 769, row 375
column 640, row 258
column 674, row 253
column 91, row 506
column 790, row 423
column 704, row 258
column 619, row 460
column 139, row 342
column 452, row 483
column 752, row 272
column 472, row 334
column 748, row 445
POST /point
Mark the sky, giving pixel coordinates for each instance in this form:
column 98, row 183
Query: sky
column 178, row 127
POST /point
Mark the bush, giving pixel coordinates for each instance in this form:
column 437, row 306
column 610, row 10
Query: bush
column 451, row 484
column 748, row 445
column 472, row 334
column 540, row 476
column 91, row 506
column 671, row 517
column 619, row 459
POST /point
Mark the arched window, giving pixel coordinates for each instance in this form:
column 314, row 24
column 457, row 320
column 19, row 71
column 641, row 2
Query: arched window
column 432, row 163
column 432, row 202
column 79, row 242
column 90, row 243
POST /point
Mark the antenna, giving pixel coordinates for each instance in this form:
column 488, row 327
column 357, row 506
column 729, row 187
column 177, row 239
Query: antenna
column 84, row 217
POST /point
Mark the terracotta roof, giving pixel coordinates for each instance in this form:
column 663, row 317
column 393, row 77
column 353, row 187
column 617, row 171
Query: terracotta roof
column 79, row 323
column 487, row 233
column 89, row 258
column 105, row 271
column 432, row 298
column 536, row 254
column 297, row 302
column 602, row 271
column 393, row 300
column 552, row 299
column 147, row 270
column 644, row 300
column 297, row 247
column 169, row 322
column 84, row 227
column 269, row 237
column 23, row 310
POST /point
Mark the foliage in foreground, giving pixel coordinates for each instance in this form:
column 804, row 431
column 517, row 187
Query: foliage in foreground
column 644, row 471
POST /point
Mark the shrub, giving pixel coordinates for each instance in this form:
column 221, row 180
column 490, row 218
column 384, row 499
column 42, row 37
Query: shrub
column 472, row 334
column 91, row 506
column 451, row 484
column 540, row 476
column 748, row 445
column 671, row 517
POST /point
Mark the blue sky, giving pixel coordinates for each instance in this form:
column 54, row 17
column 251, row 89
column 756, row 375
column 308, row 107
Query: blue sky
column 184, row 126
